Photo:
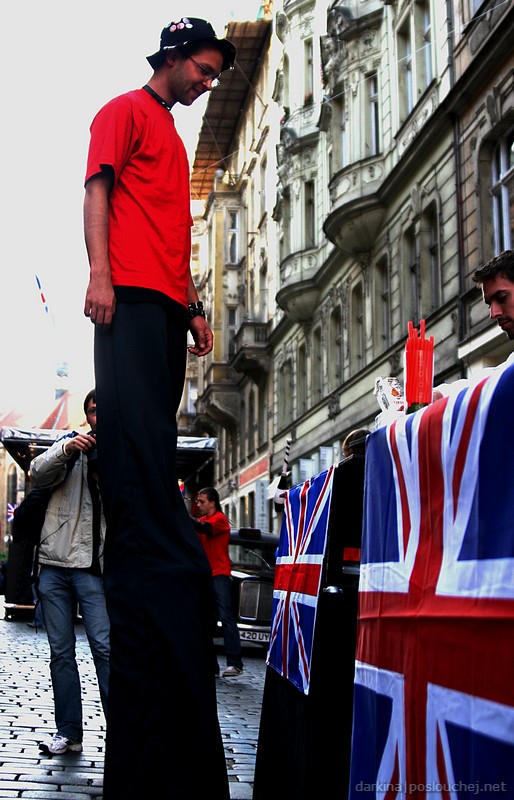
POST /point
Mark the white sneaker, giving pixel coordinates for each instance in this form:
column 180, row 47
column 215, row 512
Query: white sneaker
column 231, row 671
column 57, row 744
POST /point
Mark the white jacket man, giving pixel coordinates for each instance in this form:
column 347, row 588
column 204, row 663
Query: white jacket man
column 70, row 559
column 66, row 539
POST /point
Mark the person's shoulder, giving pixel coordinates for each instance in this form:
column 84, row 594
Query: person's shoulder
column 221, row 519
column 122, row 102
column 134, row 97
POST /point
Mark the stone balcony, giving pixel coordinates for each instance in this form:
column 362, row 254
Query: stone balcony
column 251, row 356
column 220, row 399
column 299, row 294
column 357, row 210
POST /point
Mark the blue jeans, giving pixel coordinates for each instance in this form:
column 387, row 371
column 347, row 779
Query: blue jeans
column 223, row 594
column 60, row 589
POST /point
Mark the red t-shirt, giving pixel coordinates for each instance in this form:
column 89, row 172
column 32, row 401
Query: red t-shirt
column 149, row 210
column 216, row 545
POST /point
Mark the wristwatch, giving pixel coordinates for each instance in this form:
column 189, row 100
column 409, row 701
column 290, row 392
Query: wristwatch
column 196, row 310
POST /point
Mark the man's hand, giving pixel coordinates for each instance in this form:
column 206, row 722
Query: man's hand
column 100, row 303
column 82, row 442
column 202, row 335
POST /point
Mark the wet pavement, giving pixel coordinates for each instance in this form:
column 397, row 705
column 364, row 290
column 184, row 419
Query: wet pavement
column 26, row 717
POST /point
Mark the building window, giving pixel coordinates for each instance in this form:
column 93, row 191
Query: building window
column 243, row 441
column 191, row 395
column 340, row 132
column 475, row 5
column 423, row 28
column 233, row 445
column 382, row 305
column 317, row 366
column 250, row 267
column 415, row 56
column 263, row 292
column 373, row 116
column 309, row 72
column 251, row 509
column 310, row 214
column 285, row 385
column 285, row 71
column 335, row 349
column 344, row 133
column 233, row 237
column 251, row 424
column 301, row 380
column 411, row 276
column 263, row 415
column 225, row 451
column 247, row 510
column 262, row 190
column 285, row 240
column 303, row 470
column 429, row 260
column 231, row 331
column 357, row 329
column 503, row 193
column 405, row 78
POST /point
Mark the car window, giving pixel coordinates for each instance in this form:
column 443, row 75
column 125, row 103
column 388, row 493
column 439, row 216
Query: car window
column 254, row 556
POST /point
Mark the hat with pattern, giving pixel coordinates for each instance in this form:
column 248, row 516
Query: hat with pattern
column 186, row 31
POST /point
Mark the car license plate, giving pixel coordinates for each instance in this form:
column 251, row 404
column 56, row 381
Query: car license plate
column 254, row 636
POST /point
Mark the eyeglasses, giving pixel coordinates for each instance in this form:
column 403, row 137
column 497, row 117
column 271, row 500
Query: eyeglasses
column 207, row 74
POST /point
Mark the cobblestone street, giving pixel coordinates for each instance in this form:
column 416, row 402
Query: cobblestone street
column 26, row 717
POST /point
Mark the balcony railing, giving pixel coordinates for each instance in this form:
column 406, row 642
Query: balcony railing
column 356, row 209
column 251, row 355
column 299, row 293
column 219, row 398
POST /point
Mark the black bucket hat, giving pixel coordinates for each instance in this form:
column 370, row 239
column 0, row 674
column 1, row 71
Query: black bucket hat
column 187, row 30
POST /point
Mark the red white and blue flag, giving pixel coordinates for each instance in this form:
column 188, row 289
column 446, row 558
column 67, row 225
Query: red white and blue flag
column 434, row 682
column 11, row 508
column 299, row 564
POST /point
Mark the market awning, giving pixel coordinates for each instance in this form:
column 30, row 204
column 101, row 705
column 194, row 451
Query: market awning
column 23, row 444
column 193, row 452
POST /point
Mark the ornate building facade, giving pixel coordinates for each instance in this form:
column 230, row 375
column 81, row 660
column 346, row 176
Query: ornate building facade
column 367, row 172
column 235, row 172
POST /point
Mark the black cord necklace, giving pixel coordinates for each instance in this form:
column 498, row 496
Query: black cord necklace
column 156, row 96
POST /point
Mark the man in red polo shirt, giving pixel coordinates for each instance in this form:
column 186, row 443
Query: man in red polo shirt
column 213, row 529
column 142, row 300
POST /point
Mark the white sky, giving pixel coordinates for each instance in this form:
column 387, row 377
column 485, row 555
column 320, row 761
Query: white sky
column 61, row 62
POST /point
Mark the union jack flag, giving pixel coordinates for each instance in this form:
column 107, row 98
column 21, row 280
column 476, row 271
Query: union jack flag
column 11, row 508
column 434, row 686
column 302, row 544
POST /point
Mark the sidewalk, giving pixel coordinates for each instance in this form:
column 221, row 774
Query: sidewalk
column 26, row 717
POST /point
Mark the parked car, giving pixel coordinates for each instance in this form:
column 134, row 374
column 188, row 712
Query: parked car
column 253, row 556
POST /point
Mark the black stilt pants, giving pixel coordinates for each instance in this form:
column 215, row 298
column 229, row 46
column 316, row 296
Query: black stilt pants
column 162, row 725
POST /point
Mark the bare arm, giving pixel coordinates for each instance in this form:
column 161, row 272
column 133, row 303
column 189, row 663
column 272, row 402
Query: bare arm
column 198, row 326
column 100, row 301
